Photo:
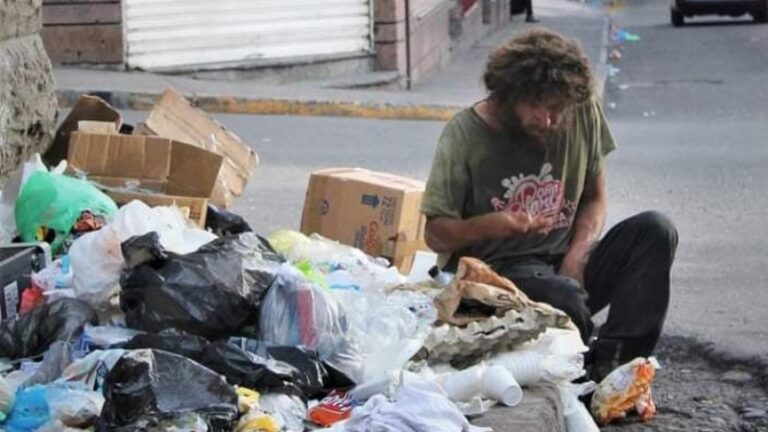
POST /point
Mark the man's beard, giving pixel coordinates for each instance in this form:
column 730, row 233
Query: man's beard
column 537, row 136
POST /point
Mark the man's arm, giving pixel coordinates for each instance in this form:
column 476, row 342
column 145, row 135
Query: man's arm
column 445, row 235
column 590, row 219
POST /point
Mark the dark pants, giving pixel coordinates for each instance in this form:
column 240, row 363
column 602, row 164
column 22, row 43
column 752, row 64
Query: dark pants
column 528, row 7
column 628, row 270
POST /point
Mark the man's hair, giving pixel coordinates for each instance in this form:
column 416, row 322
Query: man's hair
column 539, row 66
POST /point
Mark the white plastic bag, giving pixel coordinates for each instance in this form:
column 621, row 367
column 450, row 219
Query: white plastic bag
column 97, row 259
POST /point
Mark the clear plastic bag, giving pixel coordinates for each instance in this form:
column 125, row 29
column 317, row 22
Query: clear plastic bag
column 296, row 312
column 390, row 328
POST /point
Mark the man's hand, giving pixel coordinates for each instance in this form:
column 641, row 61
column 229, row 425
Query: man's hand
column 507, row 224
column 445, row 235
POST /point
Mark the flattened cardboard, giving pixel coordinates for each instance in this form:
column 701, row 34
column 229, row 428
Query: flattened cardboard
column 373, row 211
column 173, row 117
column 91, row 108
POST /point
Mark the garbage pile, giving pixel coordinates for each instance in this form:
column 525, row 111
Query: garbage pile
column 132, row 316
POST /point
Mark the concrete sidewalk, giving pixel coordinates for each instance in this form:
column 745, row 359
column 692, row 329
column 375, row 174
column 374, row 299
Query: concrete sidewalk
column 448, row 90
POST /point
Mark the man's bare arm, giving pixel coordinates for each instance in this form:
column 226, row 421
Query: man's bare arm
column 590, row 219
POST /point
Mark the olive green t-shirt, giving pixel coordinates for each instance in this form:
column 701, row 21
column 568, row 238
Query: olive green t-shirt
column 478, row 170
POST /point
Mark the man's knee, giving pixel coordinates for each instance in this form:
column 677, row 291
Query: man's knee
column 567, row 295
column 657, row 228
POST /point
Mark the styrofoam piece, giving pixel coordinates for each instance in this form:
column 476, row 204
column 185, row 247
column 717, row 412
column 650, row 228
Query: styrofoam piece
column 499, row 383
column 525, row 365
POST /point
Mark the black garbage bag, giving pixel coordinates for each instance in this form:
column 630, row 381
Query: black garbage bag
column 239, row 367
column 31, row 334
column 147, row 386
column 225, row 223
column 212, row 292
column 316, row 378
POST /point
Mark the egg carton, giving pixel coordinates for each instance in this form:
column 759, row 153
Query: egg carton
column 466, row 345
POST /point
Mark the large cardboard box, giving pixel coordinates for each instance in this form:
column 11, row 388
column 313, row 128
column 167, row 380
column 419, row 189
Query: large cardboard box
column 173, row 117
column 373, row 211
column 160, row 171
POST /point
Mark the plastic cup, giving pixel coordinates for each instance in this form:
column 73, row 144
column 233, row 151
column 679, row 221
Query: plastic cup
column 462, row 386
column 524, row 365
column 499, row 383
column 580, row 420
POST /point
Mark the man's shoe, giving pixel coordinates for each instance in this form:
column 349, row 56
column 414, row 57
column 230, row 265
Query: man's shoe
column 531, row 19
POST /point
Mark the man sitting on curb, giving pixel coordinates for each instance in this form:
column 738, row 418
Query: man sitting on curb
column 518, row 180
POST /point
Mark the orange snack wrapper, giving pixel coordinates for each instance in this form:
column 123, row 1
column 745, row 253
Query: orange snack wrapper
column 625, row 389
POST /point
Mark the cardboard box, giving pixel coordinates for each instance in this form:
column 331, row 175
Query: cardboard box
column 89, row 108
column 164, row 171
column 173, row 117
column 373, row 211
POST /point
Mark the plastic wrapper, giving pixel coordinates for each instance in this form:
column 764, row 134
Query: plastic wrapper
column 50, row 204
column 239, row 367
column 213, row 292
column 224, row 223
column 106, row 336
column 627, row 388
column 297, row 312
column 97, row 258
column 91, row 370
column 146, row 386
column 335, row 407
column 31, row 334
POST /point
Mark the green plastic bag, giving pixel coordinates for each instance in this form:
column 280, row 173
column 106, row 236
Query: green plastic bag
column 56, row 202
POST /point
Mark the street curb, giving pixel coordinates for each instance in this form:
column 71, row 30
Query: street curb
column 144, row 101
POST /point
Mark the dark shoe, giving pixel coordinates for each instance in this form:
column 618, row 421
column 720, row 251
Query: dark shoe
column 603, row 357
column 531, row 19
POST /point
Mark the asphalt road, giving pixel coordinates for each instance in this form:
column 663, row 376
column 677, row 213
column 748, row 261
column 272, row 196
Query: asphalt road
column 691, row 117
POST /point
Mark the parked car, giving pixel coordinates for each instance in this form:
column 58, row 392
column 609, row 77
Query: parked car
column 680, row 9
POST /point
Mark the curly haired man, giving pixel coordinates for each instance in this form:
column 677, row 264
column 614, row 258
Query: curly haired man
column 518, row 180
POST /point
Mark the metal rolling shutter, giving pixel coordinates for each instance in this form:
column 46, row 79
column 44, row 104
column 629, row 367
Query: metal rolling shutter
column 185, row 34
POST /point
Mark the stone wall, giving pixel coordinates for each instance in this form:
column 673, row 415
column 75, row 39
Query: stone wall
column 27, row 98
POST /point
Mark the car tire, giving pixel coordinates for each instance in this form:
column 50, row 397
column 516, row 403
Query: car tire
column 677, row 18
column 761, row 13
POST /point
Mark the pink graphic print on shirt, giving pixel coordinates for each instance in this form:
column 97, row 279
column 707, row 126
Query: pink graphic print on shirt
column 538, row 195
